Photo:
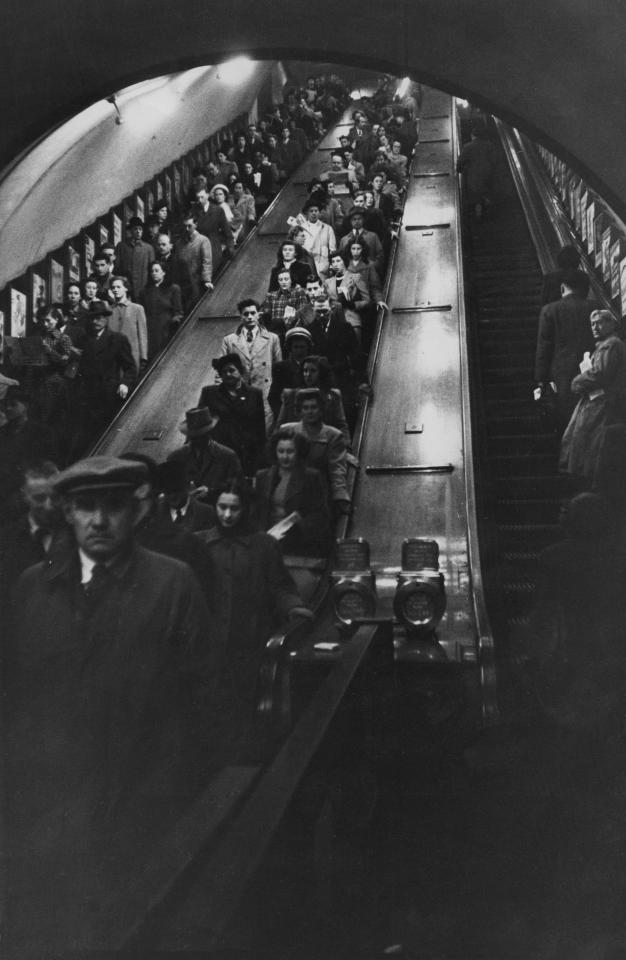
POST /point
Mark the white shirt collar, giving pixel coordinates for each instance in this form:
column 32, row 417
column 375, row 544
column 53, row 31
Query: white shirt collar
column 174, row 511
column 86, row 566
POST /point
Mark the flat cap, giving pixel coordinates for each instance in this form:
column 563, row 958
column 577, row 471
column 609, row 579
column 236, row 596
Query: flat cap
column 298, row 332
column 101, row 473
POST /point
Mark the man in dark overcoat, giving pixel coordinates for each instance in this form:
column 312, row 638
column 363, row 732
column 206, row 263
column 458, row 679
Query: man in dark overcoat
column 207, row 462
column 240, row 412
column 563, row 338
column 107, row 368
column 109, row 677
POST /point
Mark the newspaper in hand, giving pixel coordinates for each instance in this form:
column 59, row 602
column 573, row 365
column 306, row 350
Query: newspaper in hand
column 282, row 528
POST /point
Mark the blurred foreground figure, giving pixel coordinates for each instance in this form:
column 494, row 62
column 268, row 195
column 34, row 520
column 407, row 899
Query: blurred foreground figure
column 108, row 680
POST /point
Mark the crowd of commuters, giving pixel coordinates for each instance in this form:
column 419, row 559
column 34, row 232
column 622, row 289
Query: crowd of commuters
column 137, row 595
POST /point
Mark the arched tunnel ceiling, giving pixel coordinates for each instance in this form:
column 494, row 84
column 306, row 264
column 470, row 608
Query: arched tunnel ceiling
column 556, row 68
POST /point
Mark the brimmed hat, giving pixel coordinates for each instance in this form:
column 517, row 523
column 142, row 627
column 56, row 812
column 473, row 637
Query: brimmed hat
column 353, row 212
column 198, row 421
column 101, row 473
column 220, row 362
column 298, row 332
column 97, row 308
column 218, row 186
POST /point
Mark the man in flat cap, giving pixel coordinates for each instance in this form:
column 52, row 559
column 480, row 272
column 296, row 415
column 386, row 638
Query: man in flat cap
column 109, row 679
column 287, row 375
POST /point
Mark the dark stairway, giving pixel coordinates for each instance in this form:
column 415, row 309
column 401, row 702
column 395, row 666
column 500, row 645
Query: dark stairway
column 519, row 491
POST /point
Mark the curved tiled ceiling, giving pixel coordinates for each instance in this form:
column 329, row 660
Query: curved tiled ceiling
column 556, row 68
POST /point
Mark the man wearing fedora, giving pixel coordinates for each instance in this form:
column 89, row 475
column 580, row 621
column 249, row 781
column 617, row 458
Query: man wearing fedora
column 109, row 679
column 241, row 412
column 258, row 350
column 107, row 369
column 208, row 463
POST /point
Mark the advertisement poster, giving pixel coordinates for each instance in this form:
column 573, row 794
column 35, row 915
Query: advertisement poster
column 622, row 277
column 89, row 250
column 117, row 229
column 591, row 216
column 18, row 313
column 73, row 264
column 39, row 291
column 57, row 279
column 615, row 255
column 140, row 209
column 104, row 235
column 607, row 241
column 598, row 229
column 584, row 199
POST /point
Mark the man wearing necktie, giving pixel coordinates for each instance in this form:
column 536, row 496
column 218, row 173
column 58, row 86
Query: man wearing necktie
column 33, row 536
column 258, row 349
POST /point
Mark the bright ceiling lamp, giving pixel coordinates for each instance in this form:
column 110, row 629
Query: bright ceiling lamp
column 403, row 87
column 235, row 70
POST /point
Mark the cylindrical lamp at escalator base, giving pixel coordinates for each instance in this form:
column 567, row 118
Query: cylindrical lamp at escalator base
column 353, row 581
column 420, row 600
column 354, row 595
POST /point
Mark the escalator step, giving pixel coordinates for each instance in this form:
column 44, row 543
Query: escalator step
column 523, row 406
column 518, row 374
column 517, row 336
column 521, row 465
column 512, row 425
column 520, row 444
column 537, row 510
column 534, row 487
column 525, row 535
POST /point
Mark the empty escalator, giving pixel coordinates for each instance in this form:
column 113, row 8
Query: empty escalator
column 520, row 490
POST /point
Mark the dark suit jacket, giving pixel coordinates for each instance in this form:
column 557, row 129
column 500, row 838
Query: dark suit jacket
column 162, row 305
column 209, row 466
column 285, row 375
column 337, row 343
column 564, row 336
column 19, row 551
column 242, row 422
column 107, row 362
column 198, row 516
column 306, row 494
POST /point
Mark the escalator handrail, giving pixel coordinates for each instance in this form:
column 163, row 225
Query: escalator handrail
column 222, row 870
column 486, row 658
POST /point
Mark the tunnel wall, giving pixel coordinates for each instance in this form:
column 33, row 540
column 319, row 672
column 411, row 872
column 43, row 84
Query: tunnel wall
column 91, row 163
